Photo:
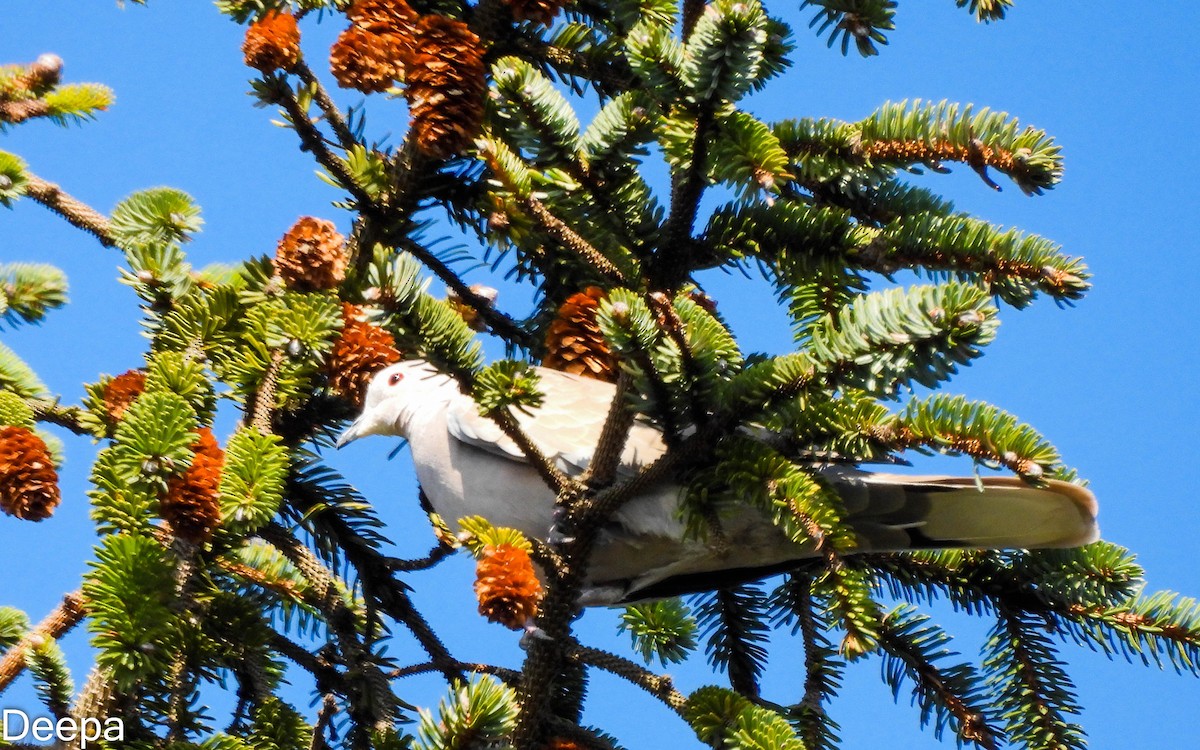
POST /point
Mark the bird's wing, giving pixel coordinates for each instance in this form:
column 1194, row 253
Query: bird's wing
column 565, row 428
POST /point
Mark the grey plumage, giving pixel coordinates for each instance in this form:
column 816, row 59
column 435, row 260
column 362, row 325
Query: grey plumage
column 467, row 466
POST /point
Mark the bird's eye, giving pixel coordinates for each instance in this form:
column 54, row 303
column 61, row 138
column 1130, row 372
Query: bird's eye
column 395, row 377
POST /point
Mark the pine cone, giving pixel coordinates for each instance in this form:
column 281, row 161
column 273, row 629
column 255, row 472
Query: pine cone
column 541, row 11
column 506, row 586
column 359, row 352
column 312, row 255
column 192, row 502
column 28, row 481
column 445, row 86
column 122, row 391
column 575, row 342
column 383, row 17
column 366, row 61
column 272, row 42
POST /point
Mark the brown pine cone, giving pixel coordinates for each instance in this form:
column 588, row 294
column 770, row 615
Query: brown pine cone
column 445, row 86
column 383, row 16
column 506, row 586
column 360, row 351
column 272, row 42
column 575, row 343
column 311, row 255
column 366, row 61
column 192, row 503
column 28, row 481
column 122, row 391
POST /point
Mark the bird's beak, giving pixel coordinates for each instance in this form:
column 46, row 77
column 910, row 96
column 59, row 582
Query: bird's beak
column 356, row 430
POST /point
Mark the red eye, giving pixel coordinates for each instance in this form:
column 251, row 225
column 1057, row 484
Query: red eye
column 395, row 377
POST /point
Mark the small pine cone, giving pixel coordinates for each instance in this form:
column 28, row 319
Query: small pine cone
column 272, row 43
column 366, row 61
column 506, row 586
column 192, row 502
column 540, row 11
column 359, row 352
column 312, row 255
column 445, row 86
column 122, row 391
column 28, row 481
column 575, row 342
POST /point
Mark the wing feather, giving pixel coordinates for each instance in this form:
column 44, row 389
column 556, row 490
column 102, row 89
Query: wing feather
column 565, row 428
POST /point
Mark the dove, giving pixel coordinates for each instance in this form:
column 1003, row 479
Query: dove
column 467, row 466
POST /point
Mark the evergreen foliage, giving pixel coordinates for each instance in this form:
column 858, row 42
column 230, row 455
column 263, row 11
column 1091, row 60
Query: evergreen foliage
column 299, row 571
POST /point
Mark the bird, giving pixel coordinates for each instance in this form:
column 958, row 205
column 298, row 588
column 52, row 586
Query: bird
column 467, row 466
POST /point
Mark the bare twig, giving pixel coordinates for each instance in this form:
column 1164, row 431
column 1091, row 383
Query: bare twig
column 76, row 212
column 660, row 686
column 55, row 625
column 573, row 242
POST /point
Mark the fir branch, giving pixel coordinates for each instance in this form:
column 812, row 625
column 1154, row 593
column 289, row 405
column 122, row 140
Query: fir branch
column 821, row 667
column 510, row 676
column 952, row 693
column 1032, row 691
column 617, row 423
column 660, row 686
column 669, row 267
column 569, row 239
column 76, row 212
column 337, row 122
column 435, row 556
column 52, row 412
column 53, row 626
column 377, row 577
column 264, row 396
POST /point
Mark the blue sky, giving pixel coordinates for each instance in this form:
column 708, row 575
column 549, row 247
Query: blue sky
column 1110, row 381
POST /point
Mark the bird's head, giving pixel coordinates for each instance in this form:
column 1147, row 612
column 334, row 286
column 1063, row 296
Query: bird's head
column 394, row 394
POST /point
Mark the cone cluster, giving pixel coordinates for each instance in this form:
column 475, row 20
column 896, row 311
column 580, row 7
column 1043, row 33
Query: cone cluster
column 370, row 55
column 311, row 255
column 28, row 481
column 506, row 586
column 121, row 392
column 575, row 343
column 272, row 42
column 361, row 350
column 192, row 504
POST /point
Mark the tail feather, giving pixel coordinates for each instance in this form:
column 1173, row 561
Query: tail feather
column 903, row 512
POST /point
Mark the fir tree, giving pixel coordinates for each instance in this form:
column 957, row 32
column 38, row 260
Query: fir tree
column 220, row 562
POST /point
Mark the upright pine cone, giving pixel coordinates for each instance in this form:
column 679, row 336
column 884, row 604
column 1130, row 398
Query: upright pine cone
column 506, row 586
column 192, row 502
column 359, row 352
column 365, row 61
column 541, row 11
column 445, row 86
column 311, row 255
column 272, row 42
column 28, row 481
column 122, row 391
column 575, row 342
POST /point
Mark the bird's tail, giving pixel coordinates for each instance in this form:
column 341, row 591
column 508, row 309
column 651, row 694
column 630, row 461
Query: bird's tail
column 888, row 512
column 898, row 512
